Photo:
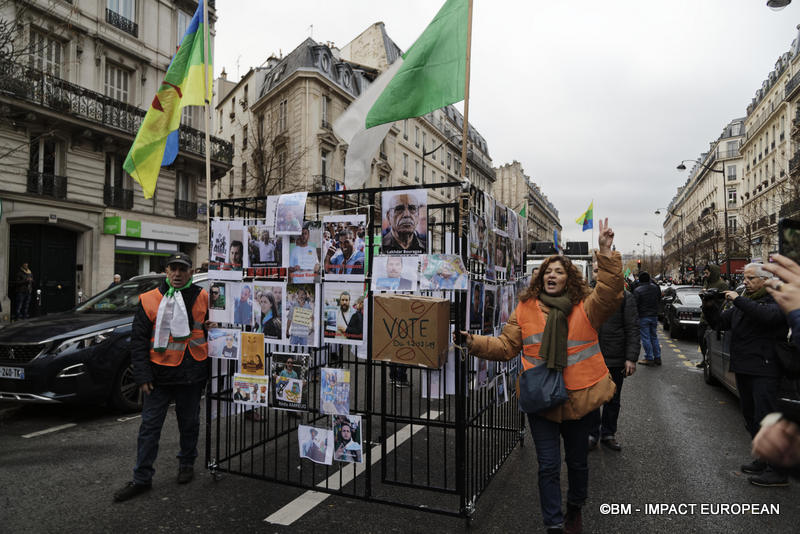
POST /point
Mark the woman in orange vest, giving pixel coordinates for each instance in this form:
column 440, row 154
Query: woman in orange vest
column 555, row 324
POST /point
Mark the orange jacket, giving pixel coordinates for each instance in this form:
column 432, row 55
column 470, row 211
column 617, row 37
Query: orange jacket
column 198, row 346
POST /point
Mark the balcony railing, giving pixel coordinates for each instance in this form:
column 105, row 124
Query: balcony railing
column 185, row 209
column 117, row 197
column 124, row 24
column 48, row 185
column 725, row 154
column 792, row 85
column 325, row 183
column 54, row 93
column 789, row 209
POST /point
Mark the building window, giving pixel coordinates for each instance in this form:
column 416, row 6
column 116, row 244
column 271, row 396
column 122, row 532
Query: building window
column 405, row 164
column 281, row 166
column 190, row 116
column 416, row 136
column 244, row 97
column 424, row 142
column 731, row 196
column 232, row 114
column 282, row 112
column 46, row 54
column 183, row 23
column 324, row 112
column 405, row 129
column 183, row 187
column 449, row 159
column 416, row 171
column 230, row 183
column 244, row 137
column 117, row 82
column 323, row 162
column 46, row 156
column 244, row 176
column 125, row 8
column 731, row 172
column 122, row 14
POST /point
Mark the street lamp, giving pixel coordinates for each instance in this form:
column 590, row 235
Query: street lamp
column 680, row 240
column 777, row 5
column 682, row 167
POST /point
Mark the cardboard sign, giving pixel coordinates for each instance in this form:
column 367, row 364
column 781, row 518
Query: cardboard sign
column 410, row 329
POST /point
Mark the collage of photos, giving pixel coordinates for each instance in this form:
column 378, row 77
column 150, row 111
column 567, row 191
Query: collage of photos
column 343, row 246
column 251, row 390
column 344, row 309
column 334, row 393
column 290, row 380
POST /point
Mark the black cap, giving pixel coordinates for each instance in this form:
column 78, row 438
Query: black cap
column 180, row 257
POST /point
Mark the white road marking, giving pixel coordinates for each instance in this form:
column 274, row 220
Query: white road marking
column 310, row 499
column 123, row 419
column 49, row 430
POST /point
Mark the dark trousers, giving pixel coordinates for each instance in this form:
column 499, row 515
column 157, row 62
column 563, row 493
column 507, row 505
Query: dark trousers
column 154, row 411
column 547, row 437
column 23, row 302
column 604, row 425
column 758, row 396
column 701, row 337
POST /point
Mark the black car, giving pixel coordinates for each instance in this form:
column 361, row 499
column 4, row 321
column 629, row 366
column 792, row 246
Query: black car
column 81, row 355
column 682, row 311
column 718, row 357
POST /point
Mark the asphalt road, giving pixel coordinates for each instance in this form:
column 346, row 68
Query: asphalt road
column 683, row 443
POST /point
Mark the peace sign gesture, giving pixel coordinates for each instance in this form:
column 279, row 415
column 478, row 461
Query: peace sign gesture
column 606, row 237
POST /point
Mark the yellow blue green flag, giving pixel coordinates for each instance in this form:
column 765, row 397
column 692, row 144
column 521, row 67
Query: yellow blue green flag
column 156, row 143
column 587, row 219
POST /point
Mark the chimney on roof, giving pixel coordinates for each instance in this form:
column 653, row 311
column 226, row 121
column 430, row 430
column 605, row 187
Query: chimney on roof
column 223, row 75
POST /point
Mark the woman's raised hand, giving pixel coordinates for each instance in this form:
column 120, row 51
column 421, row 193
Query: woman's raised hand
column 606, row 238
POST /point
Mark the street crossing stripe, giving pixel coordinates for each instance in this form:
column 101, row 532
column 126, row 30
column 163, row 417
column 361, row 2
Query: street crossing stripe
column 688, row 364
column 310, row 499
column 681, row 356
column 48, row 430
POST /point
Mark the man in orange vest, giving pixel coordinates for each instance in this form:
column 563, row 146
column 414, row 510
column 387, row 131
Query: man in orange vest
column 169, row 352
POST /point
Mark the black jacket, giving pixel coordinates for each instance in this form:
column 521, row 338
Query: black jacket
column 647, row 298
column 190, row 371
column 619, row 335
column 756, row 326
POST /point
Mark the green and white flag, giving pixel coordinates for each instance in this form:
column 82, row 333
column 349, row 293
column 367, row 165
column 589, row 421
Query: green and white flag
column 429, row 76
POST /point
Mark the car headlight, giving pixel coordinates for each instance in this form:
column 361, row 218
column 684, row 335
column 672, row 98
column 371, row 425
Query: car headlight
column 82, row 342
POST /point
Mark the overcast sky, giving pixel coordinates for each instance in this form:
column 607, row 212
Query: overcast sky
column 597, row 99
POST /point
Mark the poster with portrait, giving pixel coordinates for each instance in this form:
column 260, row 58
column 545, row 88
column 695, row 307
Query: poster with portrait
column 443, row 271
column 511, row 217
column 290, row 380
column 316, row 444
column 252, row 354
column 481, row 372
column 269, row 310
column 500, row 254
column 395, row 272
column 347, row 439
column 488, row 211
column 501, row 389
column 290, row 212
column 345, row 313
column 344, row 247
column 243, row 304
column 226, row 247
column 224, row 343
column 220, row 302
column 490, row 272
column 304, row 253
column 489, row 304
column 265, row 248
column 334, row 392
column 478, row 239
column 404, row 226
column 302, row 314
column 500, row 219
column 251, row 390
column 505, row 303
column 475, row 305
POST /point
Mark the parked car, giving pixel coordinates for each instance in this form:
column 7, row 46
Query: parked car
column 682, row 311
column 81, row 355
column 718, row 360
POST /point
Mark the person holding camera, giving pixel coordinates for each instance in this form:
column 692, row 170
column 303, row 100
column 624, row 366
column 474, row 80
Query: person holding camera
column 713, row 284
column 756, row 325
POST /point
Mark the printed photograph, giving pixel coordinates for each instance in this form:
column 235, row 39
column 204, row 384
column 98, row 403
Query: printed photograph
column 344, row 313
column 404, row 229
column 242, row 303
column 237, row 259
column 395, row 272
column 500, row 251
column 302, row 314
column 500, row 389
column 252, row 360
column 334, row 393
column 347, row 438
column 290, row 212
column 443, row 271
column 489, row 304
column 226, row 243
column 304, row 252
column 289, row 380
column 316, row 444
column 477, row 237
column 220, row 303
column 343, row 246
column 251, row 390
column 265, row 248
column 269, row 318
column 224, row 343
column 500, row 218
column 476, row 306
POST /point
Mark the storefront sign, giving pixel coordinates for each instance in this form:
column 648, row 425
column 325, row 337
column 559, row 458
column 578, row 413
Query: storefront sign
column 147, row 230
column 133, row 228
column 112, row 225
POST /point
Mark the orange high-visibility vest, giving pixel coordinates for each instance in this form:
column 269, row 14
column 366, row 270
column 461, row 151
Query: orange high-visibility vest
column 585, row 364
column 198, row 346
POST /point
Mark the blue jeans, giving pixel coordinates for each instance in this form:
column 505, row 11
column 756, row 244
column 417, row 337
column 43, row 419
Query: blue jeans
column 154, row 411
column 648, row 328
column 547, row 439
column 605, row 425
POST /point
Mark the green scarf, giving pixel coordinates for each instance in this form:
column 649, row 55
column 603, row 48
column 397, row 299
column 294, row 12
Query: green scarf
column 554, row 337
column 761, row 293
column 171, row 291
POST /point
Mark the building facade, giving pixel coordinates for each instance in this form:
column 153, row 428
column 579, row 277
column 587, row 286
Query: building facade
column 71, row 102
column 515, row 189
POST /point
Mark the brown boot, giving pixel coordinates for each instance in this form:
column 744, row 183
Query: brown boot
column 573, row 523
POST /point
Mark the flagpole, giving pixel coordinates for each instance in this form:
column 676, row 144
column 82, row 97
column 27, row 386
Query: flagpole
column 466, row 98
column 207, row 107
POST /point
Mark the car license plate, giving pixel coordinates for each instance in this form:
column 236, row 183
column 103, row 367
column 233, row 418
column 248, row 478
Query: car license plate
column 12, row 372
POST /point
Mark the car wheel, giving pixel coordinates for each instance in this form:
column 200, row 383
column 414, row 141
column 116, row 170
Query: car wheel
column 125, row 394
column 708, row 376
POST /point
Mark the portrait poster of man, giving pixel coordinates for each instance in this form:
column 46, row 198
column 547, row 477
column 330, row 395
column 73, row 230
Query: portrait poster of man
column 504, row 302
column 252, row 358
column 265, row 248
column 222, row 250
column 511, row 230
column 404, row 229
column 345, row 313
column 316, row 444
column 443, row 271
column 477, row 237
column 481, row 372
column 500, row 389
column 251, row 390
column 488, row 211
column 238, row 242
column 347, row 439
column 224, row 343
column 500, row 254
column 302, row 314
column 290, row 213
column 489, row 304
column 289, row 380
column 476, row 306
column 334, row 393
column 490, row 272
column 220, row 302
column 304, row 253
column 500, row 218
column 395, row 272
column 343, row 258
column 269, row 310
column 242, row 294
